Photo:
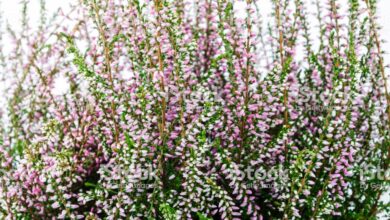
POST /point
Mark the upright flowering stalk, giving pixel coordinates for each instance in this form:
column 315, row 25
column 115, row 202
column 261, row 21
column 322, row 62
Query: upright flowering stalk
column 166, row 109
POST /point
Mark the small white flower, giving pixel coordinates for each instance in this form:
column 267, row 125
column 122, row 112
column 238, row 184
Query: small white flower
column 55, row 205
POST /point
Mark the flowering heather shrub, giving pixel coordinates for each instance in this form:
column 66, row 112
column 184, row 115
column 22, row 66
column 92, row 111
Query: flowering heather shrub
column 195, row 110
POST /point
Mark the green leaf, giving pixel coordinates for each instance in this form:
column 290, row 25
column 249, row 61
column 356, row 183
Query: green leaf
column 168, row 212
column 202, row 216
column 92, row 185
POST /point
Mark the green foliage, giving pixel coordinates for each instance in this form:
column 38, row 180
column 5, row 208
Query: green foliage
column 167, row 212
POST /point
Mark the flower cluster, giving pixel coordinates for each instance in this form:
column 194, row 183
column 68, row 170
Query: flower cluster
column 186, row 109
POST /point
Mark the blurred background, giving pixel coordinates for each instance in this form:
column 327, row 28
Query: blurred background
column 11, row 14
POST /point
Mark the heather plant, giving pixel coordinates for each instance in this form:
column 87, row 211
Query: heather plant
column 195, row 110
